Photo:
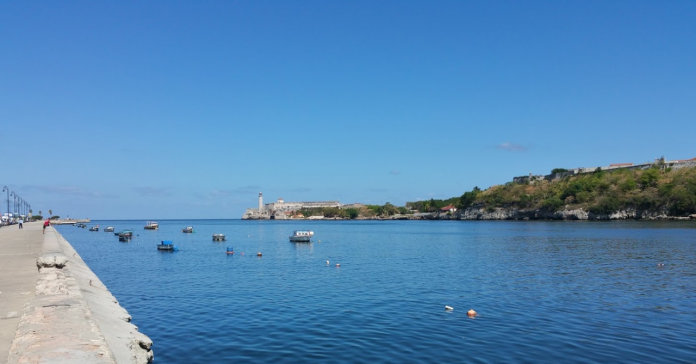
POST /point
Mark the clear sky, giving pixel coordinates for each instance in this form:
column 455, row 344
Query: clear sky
column 188, row 109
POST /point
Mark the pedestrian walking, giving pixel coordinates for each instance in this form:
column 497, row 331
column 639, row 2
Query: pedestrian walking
column 21, row 221
column 46, row 223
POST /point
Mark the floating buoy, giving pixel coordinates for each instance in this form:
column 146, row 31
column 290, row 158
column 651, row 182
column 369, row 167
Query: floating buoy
column 242, row 253
column 327, row 262
column 230, row 250
column 449, row 308
column 660, row 264
column 259, row 254
column 471, row 313
column 338, row 265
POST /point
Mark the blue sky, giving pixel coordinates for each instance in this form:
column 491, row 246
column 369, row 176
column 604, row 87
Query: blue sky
column 184, row 109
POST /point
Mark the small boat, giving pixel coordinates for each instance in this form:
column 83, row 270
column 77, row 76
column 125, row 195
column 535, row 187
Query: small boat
column 218, row 237
column 167, row 245
column 127, row 232
column 94, row 228
column 109, row 229
column 151, row 225
column 125, row 238
column 301, row 236
column 188, row 229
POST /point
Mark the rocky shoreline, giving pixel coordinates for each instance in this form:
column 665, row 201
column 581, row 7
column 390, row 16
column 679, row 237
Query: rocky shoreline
column 480, row 213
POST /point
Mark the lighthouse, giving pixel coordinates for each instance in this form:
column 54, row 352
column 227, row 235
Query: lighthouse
column 260, row 202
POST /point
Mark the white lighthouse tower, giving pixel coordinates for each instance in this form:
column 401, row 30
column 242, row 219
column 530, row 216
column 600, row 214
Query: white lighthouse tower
column 260, row 202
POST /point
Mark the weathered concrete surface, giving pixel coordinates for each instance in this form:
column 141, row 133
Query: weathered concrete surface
column 72, row 317
column 19, row 249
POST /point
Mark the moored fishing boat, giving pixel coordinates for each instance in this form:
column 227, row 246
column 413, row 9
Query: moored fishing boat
column 94, row 228
column 167, row 245
column 301, row 236
column 218, row 237
column 188, row 229
column 109, row 229
column 127, row 232
column 151, row 225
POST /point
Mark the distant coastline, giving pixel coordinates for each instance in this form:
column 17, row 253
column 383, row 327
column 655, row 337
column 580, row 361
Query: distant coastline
column 659, row 190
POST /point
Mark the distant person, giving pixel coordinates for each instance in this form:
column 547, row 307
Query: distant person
column 21, row 221
column 46, row 223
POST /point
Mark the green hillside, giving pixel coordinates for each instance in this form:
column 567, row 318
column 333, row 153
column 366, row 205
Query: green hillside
column 601, row 192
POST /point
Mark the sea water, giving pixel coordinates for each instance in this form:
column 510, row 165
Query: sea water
column 552, row 292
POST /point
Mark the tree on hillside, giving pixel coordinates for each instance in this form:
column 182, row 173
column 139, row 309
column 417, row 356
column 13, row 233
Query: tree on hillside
column 467, row 199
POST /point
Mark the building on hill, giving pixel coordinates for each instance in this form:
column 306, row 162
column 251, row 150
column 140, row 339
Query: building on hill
column 448, row 208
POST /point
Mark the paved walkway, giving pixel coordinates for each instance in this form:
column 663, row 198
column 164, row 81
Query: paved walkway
column 18, row 274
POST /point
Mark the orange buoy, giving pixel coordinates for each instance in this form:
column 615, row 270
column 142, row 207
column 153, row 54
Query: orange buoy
column 259, row 254
column 471, row 313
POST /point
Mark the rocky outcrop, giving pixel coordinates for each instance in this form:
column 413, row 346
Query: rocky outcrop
column 509, row 213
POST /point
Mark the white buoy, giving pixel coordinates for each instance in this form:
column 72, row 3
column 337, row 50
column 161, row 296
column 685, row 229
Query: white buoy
column 338, row 265
column 448, row 308
column 327, row 262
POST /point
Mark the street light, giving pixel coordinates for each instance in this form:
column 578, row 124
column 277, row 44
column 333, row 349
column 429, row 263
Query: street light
column 8, row 199
column 14, row 201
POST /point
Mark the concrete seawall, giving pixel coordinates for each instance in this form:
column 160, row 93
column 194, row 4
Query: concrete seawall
column 71, row 317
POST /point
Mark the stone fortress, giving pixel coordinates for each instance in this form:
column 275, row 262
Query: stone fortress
column 281, row 210
column 660, row 162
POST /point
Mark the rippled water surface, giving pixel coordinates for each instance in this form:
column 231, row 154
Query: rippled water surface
column 553, row 292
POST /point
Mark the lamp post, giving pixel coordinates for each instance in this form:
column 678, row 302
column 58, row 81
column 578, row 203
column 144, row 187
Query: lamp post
column 8, row 199
column 14, row 201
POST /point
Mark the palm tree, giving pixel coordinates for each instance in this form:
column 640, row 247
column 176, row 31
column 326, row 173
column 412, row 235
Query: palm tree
column 50, row 213
column 40, row 213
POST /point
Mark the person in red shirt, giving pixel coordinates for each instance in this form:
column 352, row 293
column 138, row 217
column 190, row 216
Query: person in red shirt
column 46, row 223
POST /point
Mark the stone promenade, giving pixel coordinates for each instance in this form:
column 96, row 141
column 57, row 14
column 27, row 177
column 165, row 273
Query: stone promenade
column 19, row 249
column 55, row 310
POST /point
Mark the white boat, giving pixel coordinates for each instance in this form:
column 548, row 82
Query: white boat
column 301, row 236
column 109, row 229
column 188, row 229
column 151, row 225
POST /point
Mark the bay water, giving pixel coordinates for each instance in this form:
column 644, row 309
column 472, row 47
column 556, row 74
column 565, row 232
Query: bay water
column 545, row 292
